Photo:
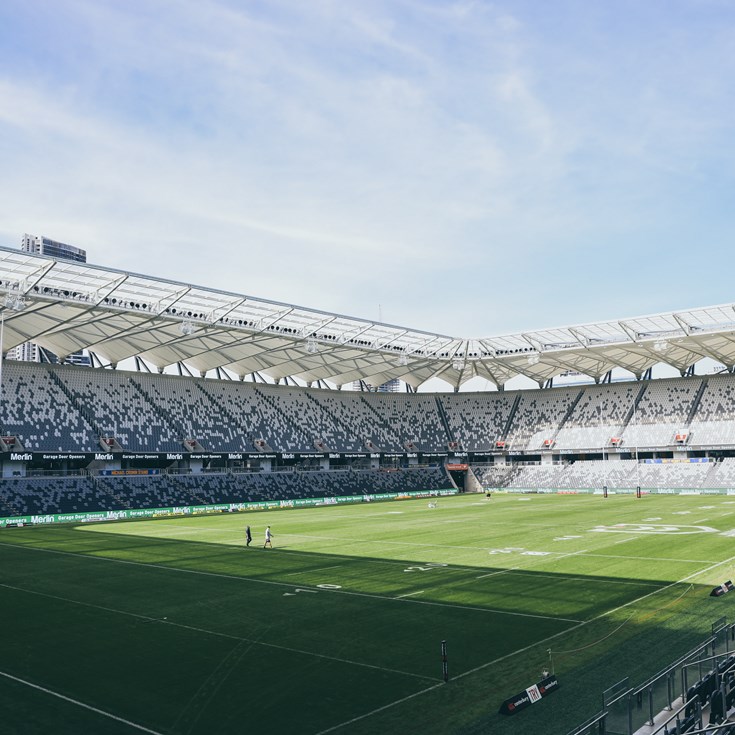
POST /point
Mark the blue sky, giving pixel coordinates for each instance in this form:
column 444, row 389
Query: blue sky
column 469, row 168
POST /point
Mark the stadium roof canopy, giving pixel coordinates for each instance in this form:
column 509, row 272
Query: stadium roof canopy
column 66, row 306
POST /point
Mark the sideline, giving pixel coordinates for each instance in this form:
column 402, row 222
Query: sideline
column 79, row 704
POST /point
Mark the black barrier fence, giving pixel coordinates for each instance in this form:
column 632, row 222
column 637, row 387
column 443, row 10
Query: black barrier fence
column 663, row 698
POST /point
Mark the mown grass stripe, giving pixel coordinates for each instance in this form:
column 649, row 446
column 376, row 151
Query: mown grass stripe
column 290, row 586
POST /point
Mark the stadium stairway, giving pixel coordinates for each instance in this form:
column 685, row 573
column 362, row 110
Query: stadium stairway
column 511, row 416
column 164, row 413
column 568, row 413
column 77, row 402
column 695, row 404
column 284, row 419
column 633, row 407
column 341, row 425
column 221, row 406
column 451, row 440
column 382, row 423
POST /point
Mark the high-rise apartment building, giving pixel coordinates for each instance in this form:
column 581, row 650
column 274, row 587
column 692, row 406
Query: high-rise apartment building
column 52, row 248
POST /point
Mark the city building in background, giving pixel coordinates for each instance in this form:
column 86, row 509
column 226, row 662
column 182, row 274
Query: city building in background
column 52, row 248
column 392, row 386
column 30, row 351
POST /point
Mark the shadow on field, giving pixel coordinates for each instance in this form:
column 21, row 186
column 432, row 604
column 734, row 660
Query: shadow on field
column 321, row 638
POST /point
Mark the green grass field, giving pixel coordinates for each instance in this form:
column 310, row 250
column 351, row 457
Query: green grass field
column 172, row 626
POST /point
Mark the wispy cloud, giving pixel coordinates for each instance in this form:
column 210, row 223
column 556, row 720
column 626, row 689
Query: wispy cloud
column 467, row 165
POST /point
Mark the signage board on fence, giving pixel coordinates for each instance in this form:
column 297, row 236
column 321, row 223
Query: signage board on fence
column 184, row 510
column 534, row 693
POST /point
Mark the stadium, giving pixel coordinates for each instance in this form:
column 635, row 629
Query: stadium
column 441, row 558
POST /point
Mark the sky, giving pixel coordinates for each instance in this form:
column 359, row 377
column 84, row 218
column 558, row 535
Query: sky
column 467, row 168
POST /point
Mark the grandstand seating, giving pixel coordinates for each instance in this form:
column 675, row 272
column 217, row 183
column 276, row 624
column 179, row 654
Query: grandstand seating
column 599, row 415
column 662, row 411
column 477, row 420
column 65, row 408
column 714, row 421
column 68, row 408
column 407, row 418
column 351, row 420
column 50, row 495
column 621, row 474
column 94, row 493
column 197, row 415
column 538, row 417
column 37, row 411
column 119, row 408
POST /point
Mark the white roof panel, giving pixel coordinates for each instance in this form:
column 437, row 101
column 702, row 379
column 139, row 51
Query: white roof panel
column 67, row 306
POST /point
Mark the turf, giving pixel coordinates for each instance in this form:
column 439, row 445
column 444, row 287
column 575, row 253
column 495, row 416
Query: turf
column 172, row 626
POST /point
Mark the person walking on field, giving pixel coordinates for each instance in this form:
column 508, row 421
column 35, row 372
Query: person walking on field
column 268, row 538
column 248, row 536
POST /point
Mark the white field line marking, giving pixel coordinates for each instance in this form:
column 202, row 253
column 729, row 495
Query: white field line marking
column 308, row 571
column 316, row 554
column 410, row 594
column 537, row 561
column 625, row 540
column 436, row 686
column 386, row 542
column 78, row 703
column 286, row 584
column 493, row 574
column 392, row 563
column 589, row 580
column 380, row 709
column 196, row 629
column 281, row 551
column 651, row 558
column 602, row 615
column 522, row 650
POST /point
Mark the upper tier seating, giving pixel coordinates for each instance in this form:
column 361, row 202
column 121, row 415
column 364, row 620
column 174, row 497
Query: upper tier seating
column 477, row 420
column 599, row 415
column 662, row 412
column 68, row 408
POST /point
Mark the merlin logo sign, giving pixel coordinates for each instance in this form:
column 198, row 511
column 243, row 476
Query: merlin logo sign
column 660, row 528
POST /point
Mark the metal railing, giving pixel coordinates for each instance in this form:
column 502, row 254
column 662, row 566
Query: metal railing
column 626, row 709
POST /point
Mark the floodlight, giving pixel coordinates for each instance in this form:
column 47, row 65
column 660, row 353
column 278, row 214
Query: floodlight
column 15, row 301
